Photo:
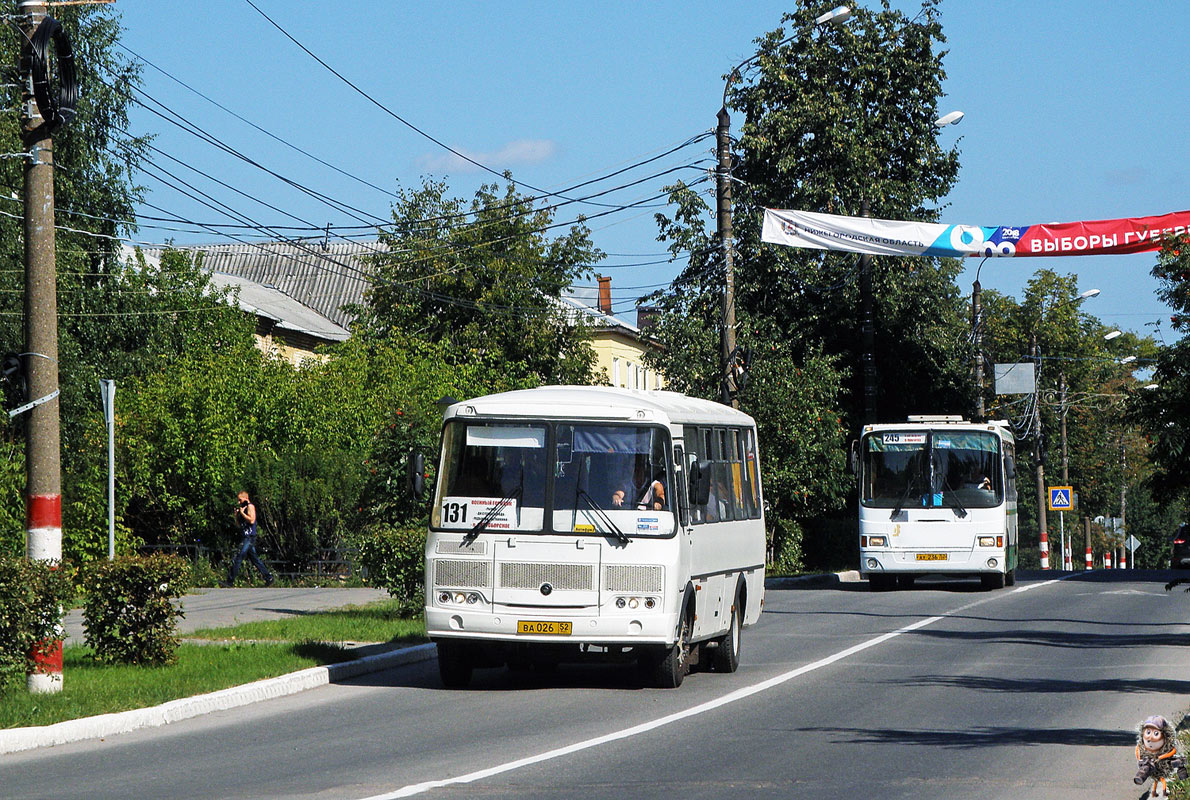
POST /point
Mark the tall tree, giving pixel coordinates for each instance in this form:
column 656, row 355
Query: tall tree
column 483, row 278
column 1163, row 411
column 831, row 118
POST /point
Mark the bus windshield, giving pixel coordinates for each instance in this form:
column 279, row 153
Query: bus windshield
column 932, row 469
column 610, row 479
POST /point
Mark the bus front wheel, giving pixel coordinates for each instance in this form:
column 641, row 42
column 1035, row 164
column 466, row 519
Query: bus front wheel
column 881, row 583
column 454, row 664
column 671, row 669
column 994, row 580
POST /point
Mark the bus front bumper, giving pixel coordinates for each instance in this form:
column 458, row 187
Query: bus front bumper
column 967, row 562
column 653, row 627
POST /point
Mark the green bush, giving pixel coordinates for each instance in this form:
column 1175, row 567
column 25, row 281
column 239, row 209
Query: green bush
column 395, row 560
column 785, row 544
column 32, row 595
column 128, row 616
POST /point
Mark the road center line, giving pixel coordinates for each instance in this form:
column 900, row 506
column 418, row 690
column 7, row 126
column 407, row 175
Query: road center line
column 702, row 708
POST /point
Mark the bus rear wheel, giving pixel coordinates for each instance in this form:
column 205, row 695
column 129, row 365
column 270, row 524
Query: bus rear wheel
column 727, row 651
column 455, row 663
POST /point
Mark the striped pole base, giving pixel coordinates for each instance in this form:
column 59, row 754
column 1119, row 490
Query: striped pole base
column 1045, row 550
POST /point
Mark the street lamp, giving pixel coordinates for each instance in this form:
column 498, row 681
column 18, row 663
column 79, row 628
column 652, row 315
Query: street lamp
column 1107, row 337
column 723, row 210
column 868, row 324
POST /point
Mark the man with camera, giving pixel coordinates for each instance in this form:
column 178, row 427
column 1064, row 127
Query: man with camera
column 245, row 516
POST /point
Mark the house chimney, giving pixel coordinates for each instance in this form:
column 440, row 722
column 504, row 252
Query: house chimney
column 605, row 294
column 646, row 318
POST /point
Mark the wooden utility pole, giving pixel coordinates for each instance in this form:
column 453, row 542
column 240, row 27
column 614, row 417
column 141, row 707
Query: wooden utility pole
column 727, row 371
column 43, row 490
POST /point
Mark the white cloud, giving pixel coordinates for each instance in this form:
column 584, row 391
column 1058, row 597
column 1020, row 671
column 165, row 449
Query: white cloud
column 515, row 153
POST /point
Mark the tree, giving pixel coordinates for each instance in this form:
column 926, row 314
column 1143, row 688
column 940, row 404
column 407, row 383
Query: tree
column 1163, row 411
column 832, row 118
column 93, row 192
column 483, row 279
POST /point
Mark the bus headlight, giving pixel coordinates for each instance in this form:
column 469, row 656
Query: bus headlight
column 621, row 602
column 993, row 563
column 877, row 541
column 444, row 597
column 650, row 602
column 987, row 541
column 873, row 563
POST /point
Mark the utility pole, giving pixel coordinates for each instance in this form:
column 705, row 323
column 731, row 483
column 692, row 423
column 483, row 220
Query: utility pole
column 43, row 490
column 1038, row 457
column 868, row 330
column 977, row 330
column 1065, row 463
column 723, row 220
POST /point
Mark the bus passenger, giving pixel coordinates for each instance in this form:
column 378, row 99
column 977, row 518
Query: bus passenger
column 650, row 492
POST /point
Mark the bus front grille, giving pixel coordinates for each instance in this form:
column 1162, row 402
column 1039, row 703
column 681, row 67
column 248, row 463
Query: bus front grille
column 447, row 547
column 463, row 574
column 531, row 575
column 632, row 578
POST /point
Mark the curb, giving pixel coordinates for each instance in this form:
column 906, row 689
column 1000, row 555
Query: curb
column 816, row 581
column 15, row 740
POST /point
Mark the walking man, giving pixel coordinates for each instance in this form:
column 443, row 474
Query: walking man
column 245, row 516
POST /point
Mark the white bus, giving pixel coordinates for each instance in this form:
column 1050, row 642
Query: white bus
column 576, row 520
column 937, row 495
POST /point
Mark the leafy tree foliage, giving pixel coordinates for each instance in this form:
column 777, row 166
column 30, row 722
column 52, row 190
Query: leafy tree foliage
column 484, row 279
column 1164, row 410
column 831, row 118
column 93, row 191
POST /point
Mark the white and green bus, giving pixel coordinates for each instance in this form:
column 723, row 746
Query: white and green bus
column 937, row 495
column 575, row 521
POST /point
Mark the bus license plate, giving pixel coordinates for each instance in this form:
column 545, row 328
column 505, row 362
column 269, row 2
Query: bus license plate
column 544, row 627
column 931, row 556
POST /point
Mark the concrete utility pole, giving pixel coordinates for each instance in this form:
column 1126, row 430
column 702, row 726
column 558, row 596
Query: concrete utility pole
column 977, row 333
column 1038, row 455
column 723, row 221
column 867, row 330
column 43, row 491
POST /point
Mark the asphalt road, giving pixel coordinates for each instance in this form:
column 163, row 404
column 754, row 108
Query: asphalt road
column 941, row 691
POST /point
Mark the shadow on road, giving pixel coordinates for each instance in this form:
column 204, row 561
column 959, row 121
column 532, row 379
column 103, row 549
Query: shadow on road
column 970, row 738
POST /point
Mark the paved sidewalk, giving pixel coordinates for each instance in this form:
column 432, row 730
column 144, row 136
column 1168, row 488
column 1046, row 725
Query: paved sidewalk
column 217, row 608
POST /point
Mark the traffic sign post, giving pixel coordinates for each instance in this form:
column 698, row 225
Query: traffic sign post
column 1062, row 499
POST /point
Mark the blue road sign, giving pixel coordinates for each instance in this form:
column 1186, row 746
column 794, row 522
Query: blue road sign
column 1061, row 498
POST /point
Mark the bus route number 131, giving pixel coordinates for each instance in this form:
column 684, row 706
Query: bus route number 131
column 454, row 512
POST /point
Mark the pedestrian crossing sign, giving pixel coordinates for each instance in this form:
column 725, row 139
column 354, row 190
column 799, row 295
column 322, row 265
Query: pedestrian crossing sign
column 1061, row 498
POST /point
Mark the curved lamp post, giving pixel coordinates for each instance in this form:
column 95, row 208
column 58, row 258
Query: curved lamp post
column 723, row 212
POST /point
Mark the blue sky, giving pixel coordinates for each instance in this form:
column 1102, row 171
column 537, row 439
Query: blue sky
column 1074, row 111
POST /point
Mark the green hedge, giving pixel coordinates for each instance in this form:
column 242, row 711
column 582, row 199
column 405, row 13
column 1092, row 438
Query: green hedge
column 128, row 616
column 395, row 558
column 32, row 596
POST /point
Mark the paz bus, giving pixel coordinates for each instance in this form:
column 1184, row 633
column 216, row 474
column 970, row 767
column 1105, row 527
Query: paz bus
column 937, row 494
column 575, row 522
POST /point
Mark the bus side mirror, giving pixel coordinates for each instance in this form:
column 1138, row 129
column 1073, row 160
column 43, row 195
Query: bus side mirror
column 700, row 483
column 1010, row 467
column 853, row 457
column 416, row 466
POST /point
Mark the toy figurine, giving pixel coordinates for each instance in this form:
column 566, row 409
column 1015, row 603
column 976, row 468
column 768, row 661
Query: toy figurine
column 1157, row 756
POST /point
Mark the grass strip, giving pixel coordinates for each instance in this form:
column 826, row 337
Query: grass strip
column 374, row 622
column 90, row 688
column 276, row 647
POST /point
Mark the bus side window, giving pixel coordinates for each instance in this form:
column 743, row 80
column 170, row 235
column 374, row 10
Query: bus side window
column 725, row 487
column 694, row 452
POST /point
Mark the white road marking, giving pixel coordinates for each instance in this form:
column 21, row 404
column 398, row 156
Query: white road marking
column 702, row 708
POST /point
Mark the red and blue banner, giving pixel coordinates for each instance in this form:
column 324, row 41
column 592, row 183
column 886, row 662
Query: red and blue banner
column 883, row 237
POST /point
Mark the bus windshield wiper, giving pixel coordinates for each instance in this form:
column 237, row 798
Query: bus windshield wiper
column 603, row 517
column 954, row 503
column 904, row 496
column 490, row 517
